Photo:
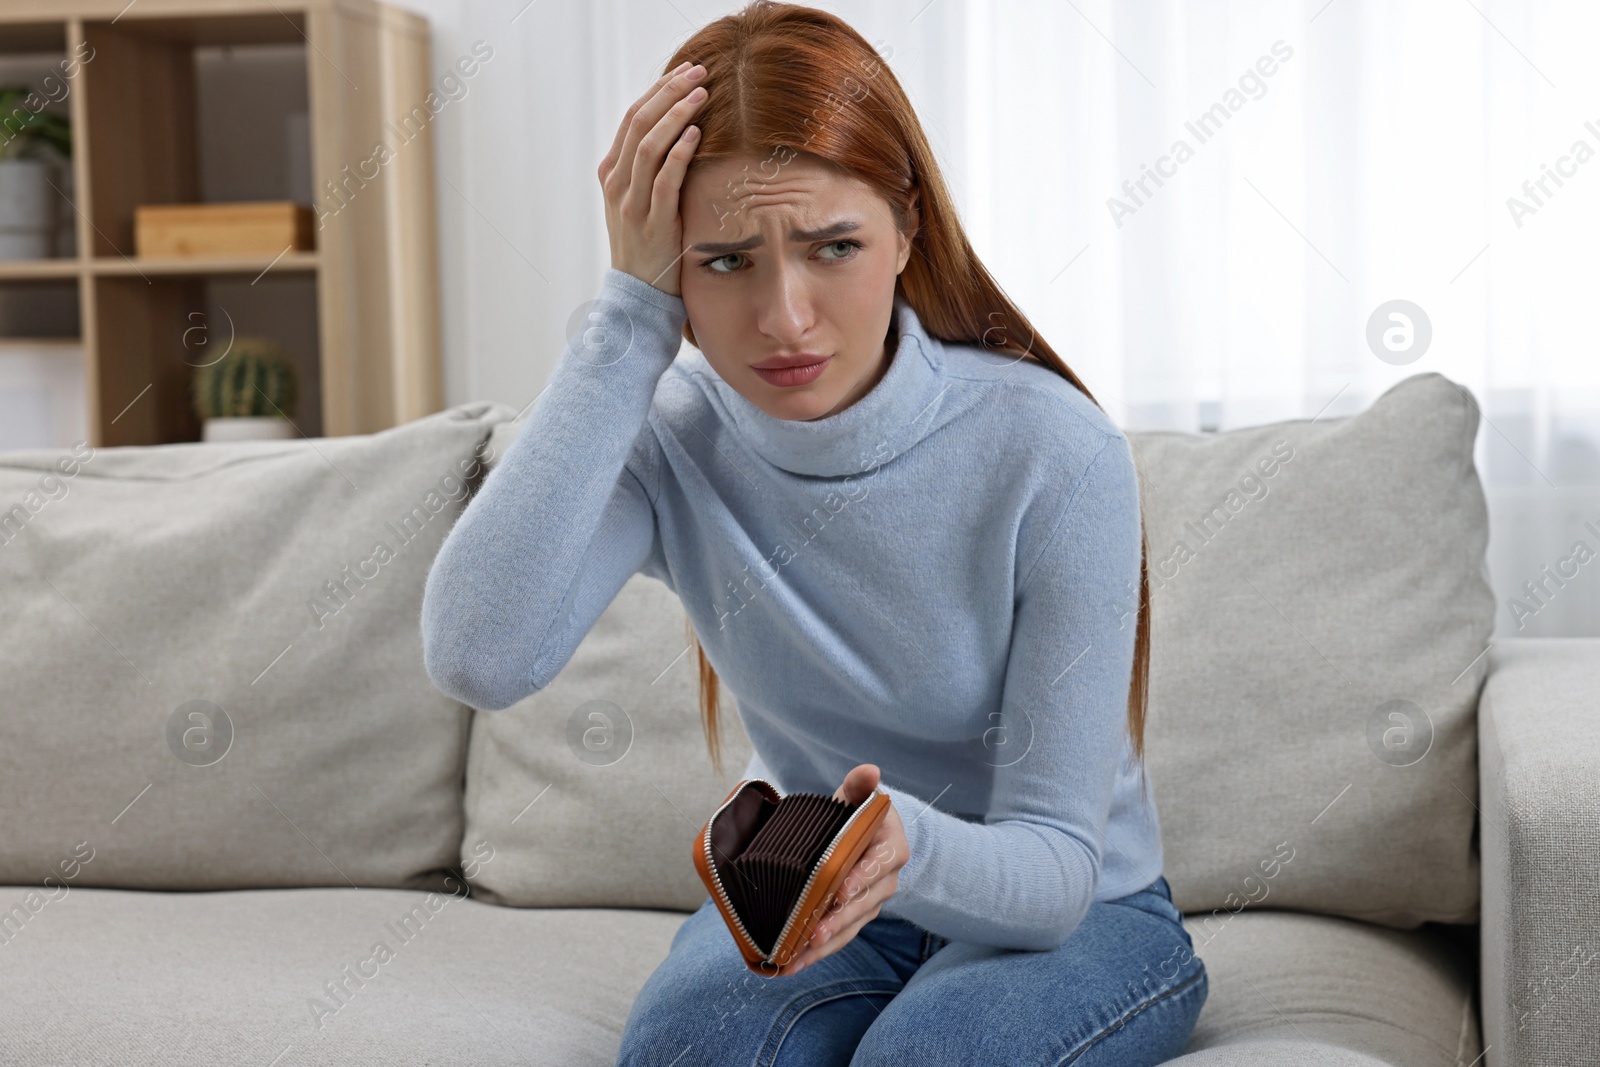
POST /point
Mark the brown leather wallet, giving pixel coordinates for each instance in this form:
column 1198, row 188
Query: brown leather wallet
column 774, row 861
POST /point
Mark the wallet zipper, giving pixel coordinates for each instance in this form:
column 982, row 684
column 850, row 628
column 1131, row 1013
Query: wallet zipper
column 717, row 878
column 822, row 862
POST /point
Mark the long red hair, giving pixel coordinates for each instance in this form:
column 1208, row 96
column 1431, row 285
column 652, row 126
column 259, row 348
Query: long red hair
column 784, row 79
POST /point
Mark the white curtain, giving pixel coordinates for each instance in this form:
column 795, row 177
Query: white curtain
column 1340, row 155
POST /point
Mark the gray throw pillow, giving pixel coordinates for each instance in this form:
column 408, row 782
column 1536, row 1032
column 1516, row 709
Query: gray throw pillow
column 1321, row 606
column 214, row 665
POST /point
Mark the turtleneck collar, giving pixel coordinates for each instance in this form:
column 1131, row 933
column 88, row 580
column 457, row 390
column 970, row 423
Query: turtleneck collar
column 896, row 413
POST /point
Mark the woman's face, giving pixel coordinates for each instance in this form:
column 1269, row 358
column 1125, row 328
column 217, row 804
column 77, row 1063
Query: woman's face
column 799, row 265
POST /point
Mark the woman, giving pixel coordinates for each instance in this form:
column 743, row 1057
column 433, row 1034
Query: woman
column 902, row 530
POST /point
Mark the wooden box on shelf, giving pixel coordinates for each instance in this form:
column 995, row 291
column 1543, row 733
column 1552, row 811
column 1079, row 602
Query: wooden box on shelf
column 267, row 227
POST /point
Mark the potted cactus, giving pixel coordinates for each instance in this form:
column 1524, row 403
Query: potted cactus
column 248, row 394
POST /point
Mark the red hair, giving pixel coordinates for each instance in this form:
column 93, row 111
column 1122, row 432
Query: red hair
column 785, row 79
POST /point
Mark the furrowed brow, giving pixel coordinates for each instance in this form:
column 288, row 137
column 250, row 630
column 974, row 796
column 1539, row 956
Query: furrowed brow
column 828, row 232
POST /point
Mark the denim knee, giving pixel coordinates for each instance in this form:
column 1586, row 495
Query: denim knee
column 1153, row 1033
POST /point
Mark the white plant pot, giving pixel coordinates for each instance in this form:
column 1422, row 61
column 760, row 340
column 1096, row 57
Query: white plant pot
column 247, row 428
column 27, row 209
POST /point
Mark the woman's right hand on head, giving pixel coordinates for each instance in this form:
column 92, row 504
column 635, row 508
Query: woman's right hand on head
column 643, row 174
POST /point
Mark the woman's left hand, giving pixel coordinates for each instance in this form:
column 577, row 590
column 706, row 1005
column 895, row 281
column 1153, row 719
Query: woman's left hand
column 870, row 882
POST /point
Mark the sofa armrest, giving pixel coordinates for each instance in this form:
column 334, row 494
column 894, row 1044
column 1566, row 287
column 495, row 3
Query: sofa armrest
column 1539, row 827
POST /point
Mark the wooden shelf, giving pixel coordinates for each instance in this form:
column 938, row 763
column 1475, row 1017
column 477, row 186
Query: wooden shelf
column 116, row 266
column 39, row 342
column 27, row 270
column 370, row 290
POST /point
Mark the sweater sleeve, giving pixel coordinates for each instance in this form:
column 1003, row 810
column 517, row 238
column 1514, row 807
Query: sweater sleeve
column 1025, row 877
column 565, row 518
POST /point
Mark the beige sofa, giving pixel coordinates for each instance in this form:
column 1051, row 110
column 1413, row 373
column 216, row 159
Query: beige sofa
column 240, row 825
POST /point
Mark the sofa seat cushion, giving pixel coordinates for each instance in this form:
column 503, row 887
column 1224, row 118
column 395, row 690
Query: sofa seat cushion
column 243, row 976
column 250, row 976
column 1288, row 989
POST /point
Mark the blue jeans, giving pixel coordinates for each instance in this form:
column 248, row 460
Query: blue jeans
column 1124, row 989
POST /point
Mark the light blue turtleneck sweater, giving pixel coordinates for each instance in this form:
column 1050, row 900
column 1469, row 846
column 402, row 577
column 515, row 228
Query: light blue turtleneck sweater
column 939, row 579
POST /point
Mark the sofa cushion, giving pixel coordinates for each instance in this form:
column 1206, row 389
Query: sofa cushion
column 1321, row 607
column 295, row 977
column 204, row 978
column 1292, row 990
column 592, row 790
column 214, row 661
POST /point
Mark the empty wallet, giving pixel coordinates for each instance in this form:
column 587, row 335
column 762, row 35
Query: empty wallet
column 774, row 861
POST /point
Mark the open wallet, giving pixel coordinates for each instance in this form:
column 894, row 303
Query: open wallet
column 773, row 862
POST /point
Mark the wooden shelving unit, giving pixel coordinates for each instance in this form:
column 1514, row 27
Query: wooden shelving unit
column 371, row 283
